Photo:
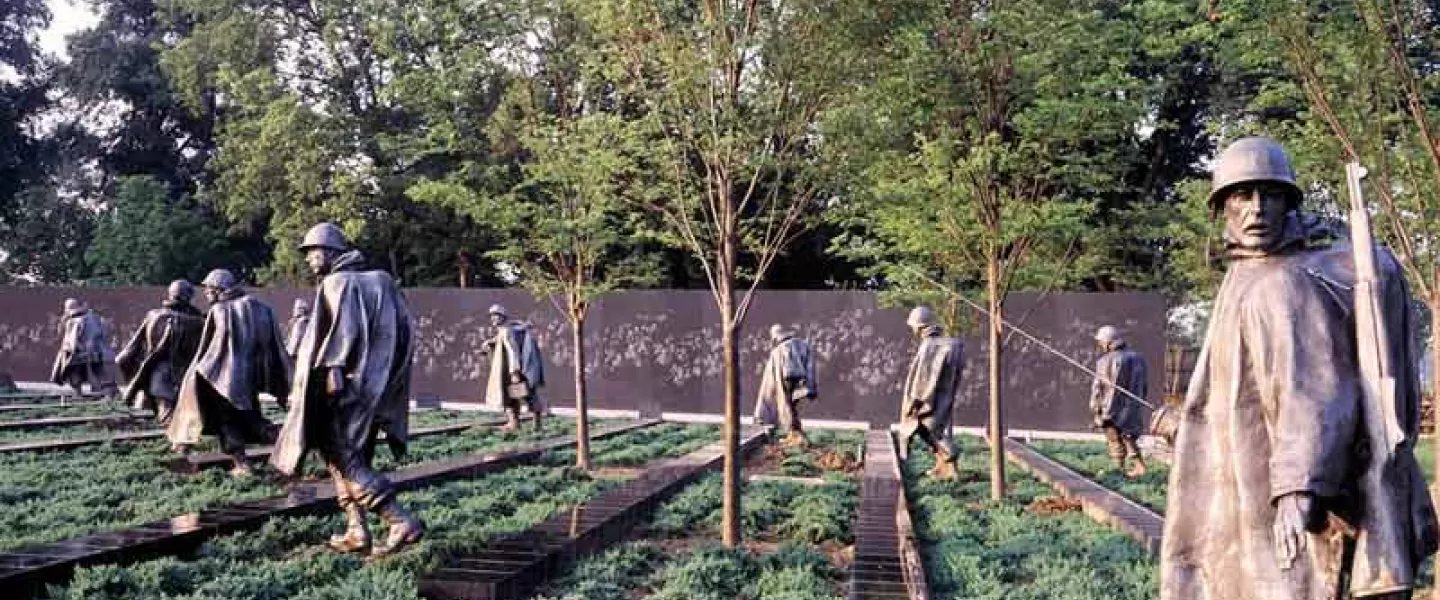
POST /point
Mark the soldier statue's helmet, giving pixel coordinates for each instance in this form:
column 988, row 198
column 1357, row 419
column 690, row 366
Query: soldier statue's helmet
column 1249, row 160
column 325, row 235
column 1107, row 335
column 220, row 279
column 181, row 290
column 72, row 305
column 921, row 316
column 778, row 331
column 496, row 309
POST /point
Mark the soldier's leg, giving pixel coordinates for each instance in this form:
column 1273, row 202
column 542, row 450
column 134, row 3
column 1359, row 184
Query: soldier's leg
column 164, row 409
column 232, row 443
column 1133, row 449
column 1115, row 446
column 372, row 491
column 537, row 409
column 512, row 414
column 356, row 537
column 789, row 422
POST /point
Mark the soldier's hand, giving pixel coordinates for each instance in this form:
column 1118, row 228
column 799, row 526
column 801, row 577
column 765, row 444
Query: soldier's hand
column 335, row 382
column 1293, row 512
column 516, row 377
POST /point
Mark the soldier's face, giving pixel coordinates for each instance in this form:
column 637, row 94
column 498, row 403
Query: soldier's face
column 212, row 294
column 318, row 259
column 1255, row 215
column 497, row 320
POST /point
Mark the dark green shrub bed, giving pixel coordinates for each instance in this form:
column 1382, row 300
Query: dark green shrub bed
column 1090, row 459
column 978, row 549
column 286, row 559
column 50, row 496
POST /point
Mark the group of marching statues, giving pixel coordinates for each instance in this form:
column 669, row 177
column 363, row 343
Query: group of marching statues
column 342, row 373
column 1293, row 474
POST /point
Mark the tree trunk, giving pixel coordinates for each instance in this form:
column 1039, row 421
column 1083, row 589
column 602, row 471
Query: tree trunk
column 582, row 403
column 997, row 430
column 730, row 357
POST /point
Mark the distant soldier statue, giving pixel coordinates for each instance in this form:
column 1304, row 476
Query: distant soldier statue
column 517, row 369
column 299, row 318
column 930, row 389
column 160, row 352
column 1115, row 413
column 85, row 356
column 239, row 358
column 352, row 382
column 1267, row 499
column 787, row 379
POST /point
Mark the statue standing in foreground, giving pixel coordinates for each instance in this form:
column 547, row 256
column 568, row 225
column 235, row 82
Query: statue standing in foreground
column 161, row 351
column 352, row 381
column 1269, row 498
column 930, row 389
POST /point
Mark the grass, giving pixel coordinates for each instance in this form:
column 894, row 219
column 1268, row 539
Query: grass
column 52, row 496
column 770, row 510
column 979, row 549
column 1091, row 460
column 285, row 559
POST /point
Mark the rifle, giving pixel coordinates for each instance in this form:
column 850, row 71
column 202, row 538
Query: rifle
column 1380, row 535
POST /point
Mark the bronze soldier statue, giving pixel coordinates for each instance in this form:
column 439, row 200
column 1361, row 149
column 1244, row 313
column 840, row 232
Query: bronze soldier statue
column 160, row 352
column 1117, row 414
column 1266, row 495
column 930, row 389
column 299, row 318
column 517, row 370
column 239, row 358
column 787, row 380
column 85, row 356
column 352, row 381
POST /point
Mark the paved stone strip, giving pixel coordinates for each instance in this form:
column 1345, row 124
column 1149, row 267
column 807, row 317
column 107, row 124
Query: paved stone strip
column 25, row 571
column 62, row 421
column 887, row 561
column 513, row 567
column 1099, row 502
column 51, row 405
column 196, row 463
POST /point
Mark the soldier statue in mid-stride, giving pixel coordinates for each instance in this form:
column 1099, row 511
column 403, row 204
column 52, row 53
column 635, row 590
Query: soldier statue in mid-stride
column 1115, row 412
column 1290, row 479
column 517, row 369
column 352, row 382
column 788, row 379
column 85, row 356
column 930, row 389
column 161, row 351
column 239, row 358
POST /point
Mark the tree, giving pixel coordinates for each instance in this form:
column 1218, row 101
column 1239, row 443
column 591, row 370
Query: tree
column 727, row 94
column 981, row 150
column 146, row 238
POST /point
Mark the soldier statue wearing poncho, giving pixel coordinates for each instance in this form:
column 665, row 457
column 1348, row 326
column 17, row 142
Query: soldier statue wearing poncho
column 517, row 370
column 930, row 389
column 787, row 379
column 299, row 319
column 352, row 382
column 1266, row 498
column 161, row 351
column 85, row 356
column 239, row 358
column 1116, row 413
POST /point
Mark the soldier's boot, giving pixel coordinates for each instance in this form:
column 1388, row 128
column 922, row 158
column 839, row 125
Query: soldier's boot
column 944, row 465
column 181, row 449
column 512, row 419
column 405, row 529
column 356, row 537
column 796, row 439
column 242, row 466
column 1138, row 470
